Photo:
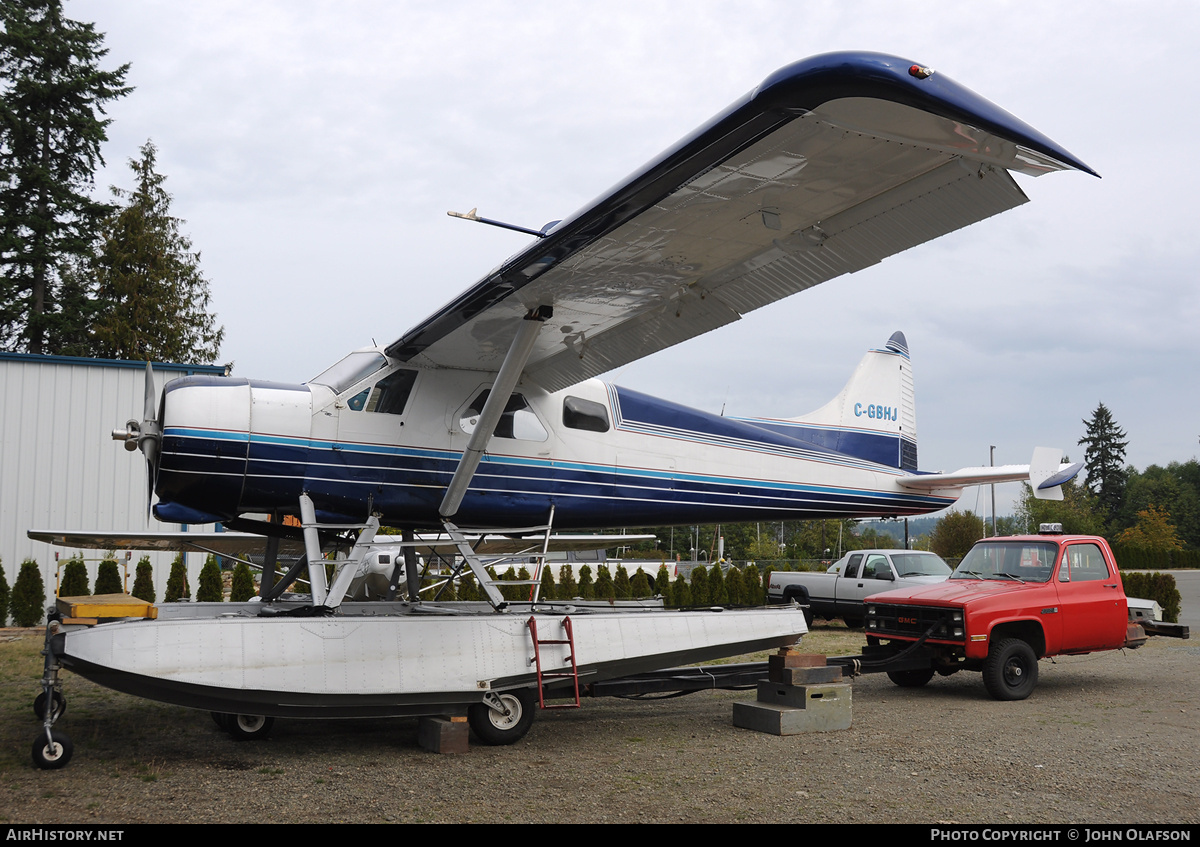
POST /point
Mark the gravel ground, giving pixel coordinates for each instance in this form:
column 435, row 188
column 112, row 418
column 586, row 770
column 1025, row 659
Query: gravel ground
column 1112, row 737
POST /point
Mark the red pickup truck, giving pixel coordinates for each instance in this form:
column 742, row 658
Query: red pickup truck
column 1010, row 602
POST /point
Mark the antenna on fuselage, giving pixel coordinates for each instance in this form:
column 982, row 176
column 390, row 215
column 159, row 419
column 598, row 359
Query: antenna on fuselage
column 473, row 216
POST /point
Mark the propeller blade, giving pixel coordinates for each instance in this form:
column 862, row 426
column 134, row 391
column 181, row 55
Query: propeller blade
column 151, row 403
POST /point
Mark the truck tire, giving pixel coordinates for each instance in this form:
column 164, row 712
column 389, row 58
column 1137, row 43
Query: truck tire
column 911, row 679
column 1010, row 671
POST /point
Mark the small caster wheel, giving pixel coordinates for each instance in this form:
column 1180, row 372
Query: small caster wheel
column 250, row 727
column 39, row 705
column 54, row 754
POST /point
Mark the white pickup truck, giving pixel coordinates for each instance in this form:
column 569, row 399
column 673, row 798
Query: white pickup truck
column 840, row 591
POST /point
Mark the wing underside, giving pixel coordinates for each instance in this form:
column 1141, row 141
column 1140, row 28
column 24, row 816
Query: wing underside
column 827, row 168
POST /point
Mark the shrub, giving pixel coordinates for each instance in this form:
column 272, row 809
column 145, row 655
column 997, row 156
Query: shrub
column 717, row 594
column 752, row 586
column 1159, row 587
column 681, row 592
column 211, row 588
column 108, row 578
column 734, row 587
column 143, row 580
column 177, row 587
column 75, row 579
column 29, row 596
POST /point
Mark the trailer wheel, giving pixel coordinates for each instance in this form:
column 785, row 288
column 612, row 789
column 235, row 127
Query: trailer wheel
column 1010, row 671
column 60, row 706
column 911, row 679
column 53, row 754
column 250, row 727
column 499, row 728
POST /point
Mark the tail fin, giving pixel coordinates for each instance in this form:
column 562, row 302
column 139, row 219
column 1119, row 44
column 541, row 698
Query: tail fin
column 874, row 417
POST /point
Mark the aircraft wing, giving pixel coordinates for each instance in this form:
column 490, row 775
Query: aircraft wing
column 827, row 167
column 242, row 544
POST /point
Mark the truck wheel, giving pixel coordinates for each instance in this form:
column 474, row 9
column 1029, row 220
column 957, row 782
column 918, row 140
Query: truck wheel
column 911, row 679
column 1011, row 670
column 497, row 728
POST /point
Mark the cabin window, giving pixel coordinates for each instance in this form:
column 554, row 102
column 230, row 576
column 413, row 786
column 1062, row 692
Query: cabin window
column 585, row 414
column 388, row 396
column 517, row 421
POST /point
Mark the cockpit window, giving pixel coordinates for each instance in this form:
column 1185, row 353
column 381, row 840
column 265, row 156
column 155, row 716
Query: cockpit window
column 517, row 420
column 585, row 414
column 389, row 396
column 354, row 368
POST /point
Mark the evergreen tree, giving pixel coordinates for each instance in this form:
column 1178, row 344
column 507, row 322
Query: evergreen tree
column 211, row 588
column 734, row 587
column 587, row 590
column 548, row 590
column 29, row 595
column 52, row 98
column 241, row 587
column 681, row 592
column 108, row 577
column 1104, row 458
column 662, row 584
column 700, row 595
column 143, row 580
column 152, row 299
column 177, row 587
column 567, row 589
column 717, row 595
column 605, row 590
column 622, row 589
column 5, row 597
column 75, row 578
column 752, row 586
column 639, row 586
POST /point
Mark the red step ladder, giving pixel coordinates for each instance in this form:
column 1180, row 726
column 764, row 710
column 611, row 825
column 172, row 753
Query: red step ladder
column 543, row 675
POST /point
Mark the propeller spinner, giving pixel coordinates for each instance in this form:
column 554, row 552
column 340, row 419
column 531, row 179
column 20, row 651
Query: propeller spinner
column 145, row 435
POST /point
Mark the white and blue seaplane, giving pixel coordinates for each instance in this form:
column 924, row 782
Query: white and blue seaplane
column 484, row 427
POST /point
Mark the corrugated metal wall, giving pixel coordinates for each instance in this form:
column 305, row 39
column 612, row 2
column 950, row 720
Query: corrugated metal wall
column 60, row 468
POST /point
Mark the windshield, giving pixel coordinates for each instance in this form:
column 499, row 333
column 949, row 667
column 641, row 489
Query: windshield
column 916, row 564
column 350, row 370
column 1018, row 561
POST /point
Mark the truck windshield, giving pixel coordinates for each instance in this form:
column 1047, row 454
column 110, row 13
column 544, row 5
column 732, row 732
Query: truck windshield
column 919, row 564
column 1021, row 561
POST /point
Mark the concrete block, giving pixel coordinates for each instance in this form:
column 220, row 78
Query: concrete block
column 442, row 734
column 802, row 696
column 824, row 715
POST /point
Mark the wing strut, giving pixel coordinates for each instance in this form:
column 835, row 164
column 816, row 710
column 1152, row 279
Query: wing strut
column 506, row 381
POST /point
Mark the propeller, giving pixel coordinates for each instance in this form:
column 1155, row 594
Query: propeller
column 145, row 435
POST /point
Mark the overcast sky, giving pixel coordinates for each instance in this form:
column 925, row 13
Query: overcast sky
column 314, row 148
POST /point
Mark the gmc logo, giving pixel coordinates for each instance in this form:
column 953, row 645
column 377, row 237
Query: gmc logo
column 906, row 620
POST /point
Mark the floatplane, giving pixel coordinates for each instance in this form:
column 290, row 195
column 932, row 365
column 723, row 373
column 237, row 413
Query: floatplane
column 485, row 427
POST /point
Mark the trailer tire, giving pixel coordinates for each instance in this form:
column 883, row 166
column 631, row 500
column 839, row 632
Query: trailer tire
column 912, row 678
column 1010, row 671
column 492, row 727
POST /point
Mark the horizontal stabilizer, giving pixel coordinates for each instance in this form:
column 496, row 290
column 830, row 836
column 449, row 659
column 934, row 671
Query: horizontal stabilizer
column 1044, row 473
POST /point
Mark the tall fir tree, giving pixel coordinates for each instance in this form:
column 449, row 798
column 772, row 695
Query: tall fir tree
column 53, row 95
column 152, row 301
column 143, row 580
column 1104, row 458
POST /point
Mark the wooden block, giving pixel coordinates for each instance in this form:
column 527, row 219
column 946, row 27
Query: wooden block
column 443, row 735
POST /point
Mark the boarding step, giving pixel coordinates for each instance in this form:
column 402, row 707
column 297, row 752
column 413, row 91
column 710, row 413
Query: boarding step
column 542, row 674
